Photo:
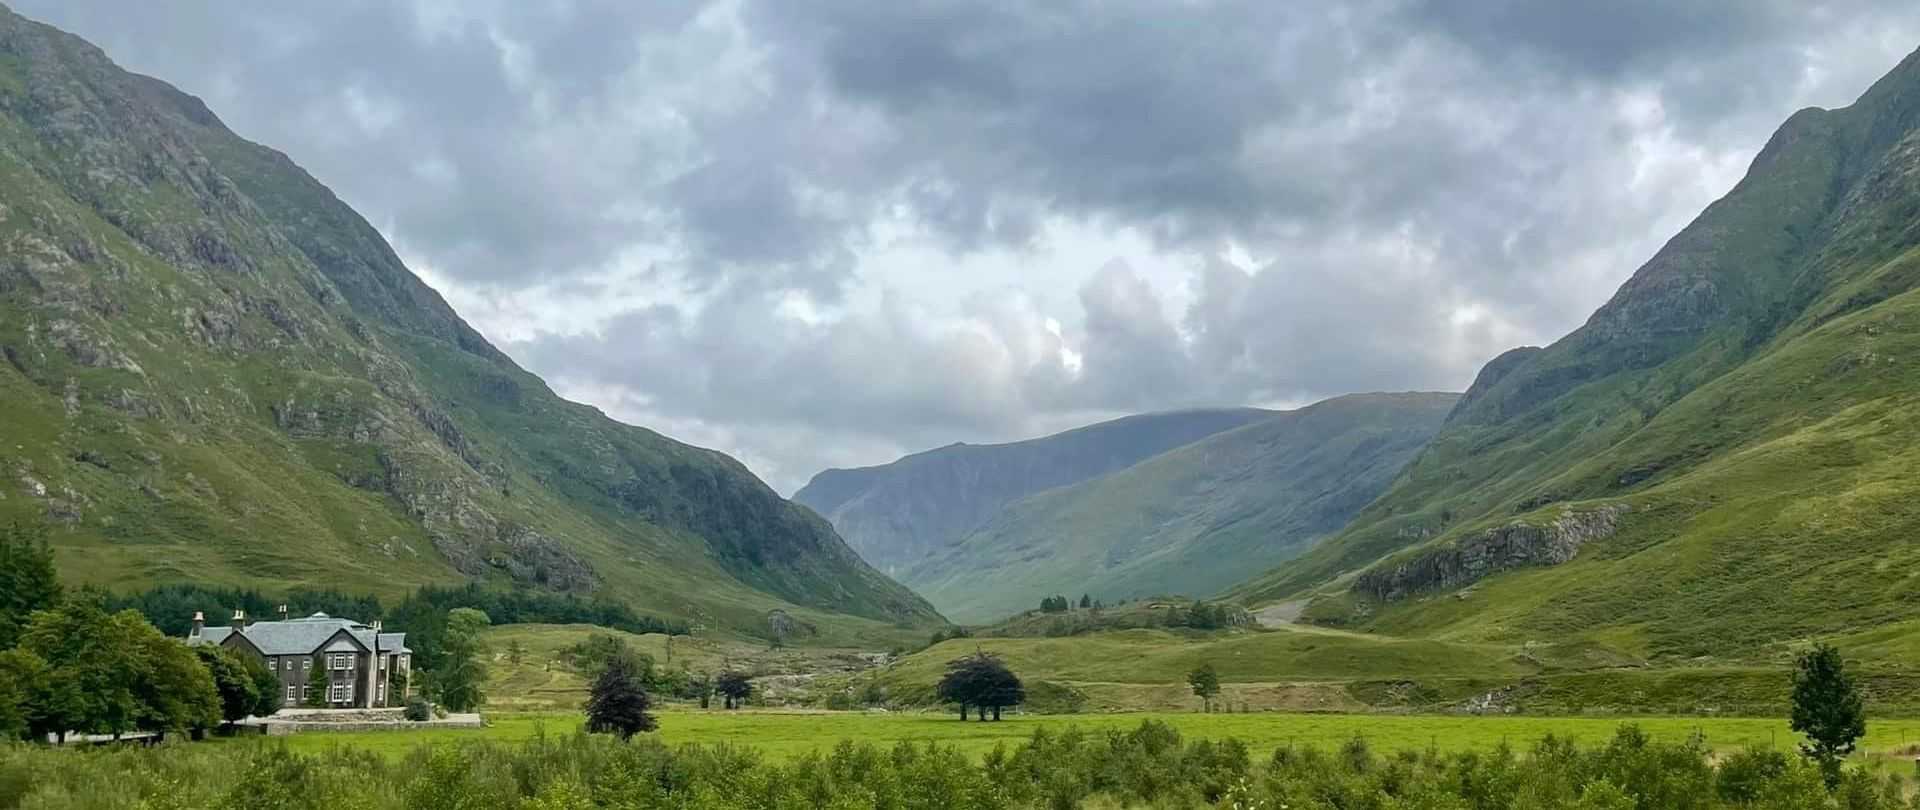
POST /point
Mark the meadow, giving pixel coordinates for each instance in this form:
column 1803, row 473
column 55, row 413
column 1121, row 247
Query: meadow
column 783, row 735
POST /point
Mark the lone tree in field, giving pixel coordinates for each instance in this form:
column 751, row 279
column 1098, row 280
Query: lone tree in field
column 1205, row 683
column 982, row 682
column 1827, row 708
column 734, row 687
column 619, row 703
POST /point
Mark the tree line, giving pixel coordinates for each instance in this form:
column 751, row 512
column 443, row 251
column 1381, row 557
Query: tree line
column 82, row 662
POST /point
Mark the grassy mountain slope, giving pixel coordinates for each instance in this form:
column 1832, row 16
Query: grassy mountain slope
column 1721, row 460
column 1192, row 520
column 896, row 514
column 216, row 371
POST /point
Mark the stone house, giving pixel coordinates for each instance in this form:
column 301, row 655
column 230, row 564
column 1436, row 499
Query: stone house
column 364, row 667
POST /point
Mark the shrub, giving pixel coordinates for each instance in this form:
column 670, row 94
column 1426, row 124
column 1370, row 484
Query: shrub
column 418, row 710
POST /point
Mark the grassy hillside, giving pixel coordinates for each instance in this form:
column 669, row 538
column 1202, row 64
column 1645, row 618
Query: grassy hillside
column 1721, row 462
column 216, row 371
column 1192, row 520
column 896, row 514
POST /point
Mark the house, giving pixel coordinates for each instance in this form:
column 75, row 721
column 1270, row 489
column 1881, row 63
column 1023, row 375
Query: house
column 365, row 668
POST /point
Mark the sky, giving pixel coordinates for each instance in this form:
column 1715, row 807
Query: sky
column 819, row 233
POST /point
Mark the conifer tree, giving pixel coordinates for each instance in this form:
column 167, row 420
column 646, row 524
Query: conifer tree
column 1827, row 708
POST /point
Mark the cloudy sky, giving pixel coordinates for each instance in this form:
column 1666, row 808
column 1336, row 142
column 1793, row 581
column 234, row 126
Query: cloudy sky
column 826, row 232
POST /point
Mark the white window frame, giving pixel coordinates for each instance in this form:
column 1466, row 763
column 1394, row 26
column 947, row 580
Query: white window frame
column 340, row 661
column 306, row 663
column 333, row 693
column 293, row 693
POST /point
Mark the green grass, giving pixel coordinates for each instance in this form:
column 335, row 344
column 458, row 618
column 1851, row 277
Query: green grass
column 790, row 734
column 1165, row 656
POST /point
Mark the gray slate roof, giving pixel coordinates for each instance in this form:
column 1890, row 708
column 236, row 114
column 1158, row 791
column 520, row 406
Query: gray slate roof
column 305, row 635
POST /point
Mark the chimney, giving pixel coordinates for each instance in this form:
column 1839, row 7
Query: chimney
column 199, row 623
column 283, row 613
column 239, row 620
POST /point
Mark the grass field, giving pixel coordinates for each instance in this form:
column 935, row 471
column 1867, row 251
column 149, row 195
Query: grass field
column 787, row 734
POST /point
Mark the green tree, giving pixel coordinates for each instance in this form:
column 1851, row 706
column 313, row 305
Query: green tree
column 515, row 651
column 982, row 682
column 734, row 687
column 703, row 689
column 1205, row 683
column 239, row 680
column 463, row 668
column 618, row 703
column 27, row 580
column 173, row 690
column 314, row 694
column 1827, row 709
column 22, row 677
column 1086, row 601
column 91, row 671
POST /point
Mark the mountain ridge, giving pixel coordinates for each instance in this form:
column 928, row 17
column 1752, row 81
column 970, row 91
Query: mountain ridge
column 218, row 372
column 1736, row 409
column 1189, row 521
column 896, row 513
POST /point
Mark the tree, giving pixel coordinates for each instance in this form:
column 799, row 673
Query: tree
column 90, row 672
column 315, row 692
column 703, row 689
column 982, row 682
column 1827, row 709
column 22, row 677
column 27, row 581
column 1205, row 683
column 1054, row 604
column 619, row 703
column 1086, row 601
column 239, row 692
column 463, row 668
column 515, row 651
column 174, row 691
column 734, row 686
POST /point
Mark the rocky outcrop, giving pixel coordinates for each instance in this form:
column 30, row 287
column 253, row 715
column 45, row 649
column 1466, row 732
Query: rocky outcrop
column 1485, row 553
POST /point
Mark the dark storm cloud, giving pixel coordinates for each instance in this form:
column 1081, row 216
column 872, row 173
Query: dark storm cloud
column 673, row 208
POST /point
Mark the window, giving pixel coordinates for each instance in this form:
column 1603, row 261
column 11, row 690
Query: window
column 381, row 690
column 305, row 663
column 333, row 694
column 346, row 692
column 341, row 661
column 292, row 693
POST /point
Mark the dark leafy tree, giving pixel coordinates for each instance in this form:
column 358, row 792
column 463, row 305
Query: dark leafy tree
column 266, row 689
column 734, row 687
column 982, row 682
column 1054, row 604
column 27, row 581
column 703, row 689
column 463, row 667
column 1827, row 709
column 418, row 710
column 618, row 703
column 1205, row 683
column 1086, row 601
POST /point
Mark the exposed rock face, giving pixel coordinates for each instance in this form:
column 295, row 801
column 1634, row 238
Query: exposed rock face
column 1482, row 554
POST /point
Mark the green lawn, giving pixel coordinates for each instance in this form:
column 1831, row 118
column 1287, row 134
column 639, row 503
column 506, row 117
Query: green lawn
column 788, row 734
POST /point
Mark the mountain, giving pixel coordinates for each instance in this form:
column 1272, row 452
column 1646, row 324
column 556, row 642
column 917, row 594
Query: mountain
column 1193, row 520
column 215, row 371
column 896, row 514
column 1721, row 459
